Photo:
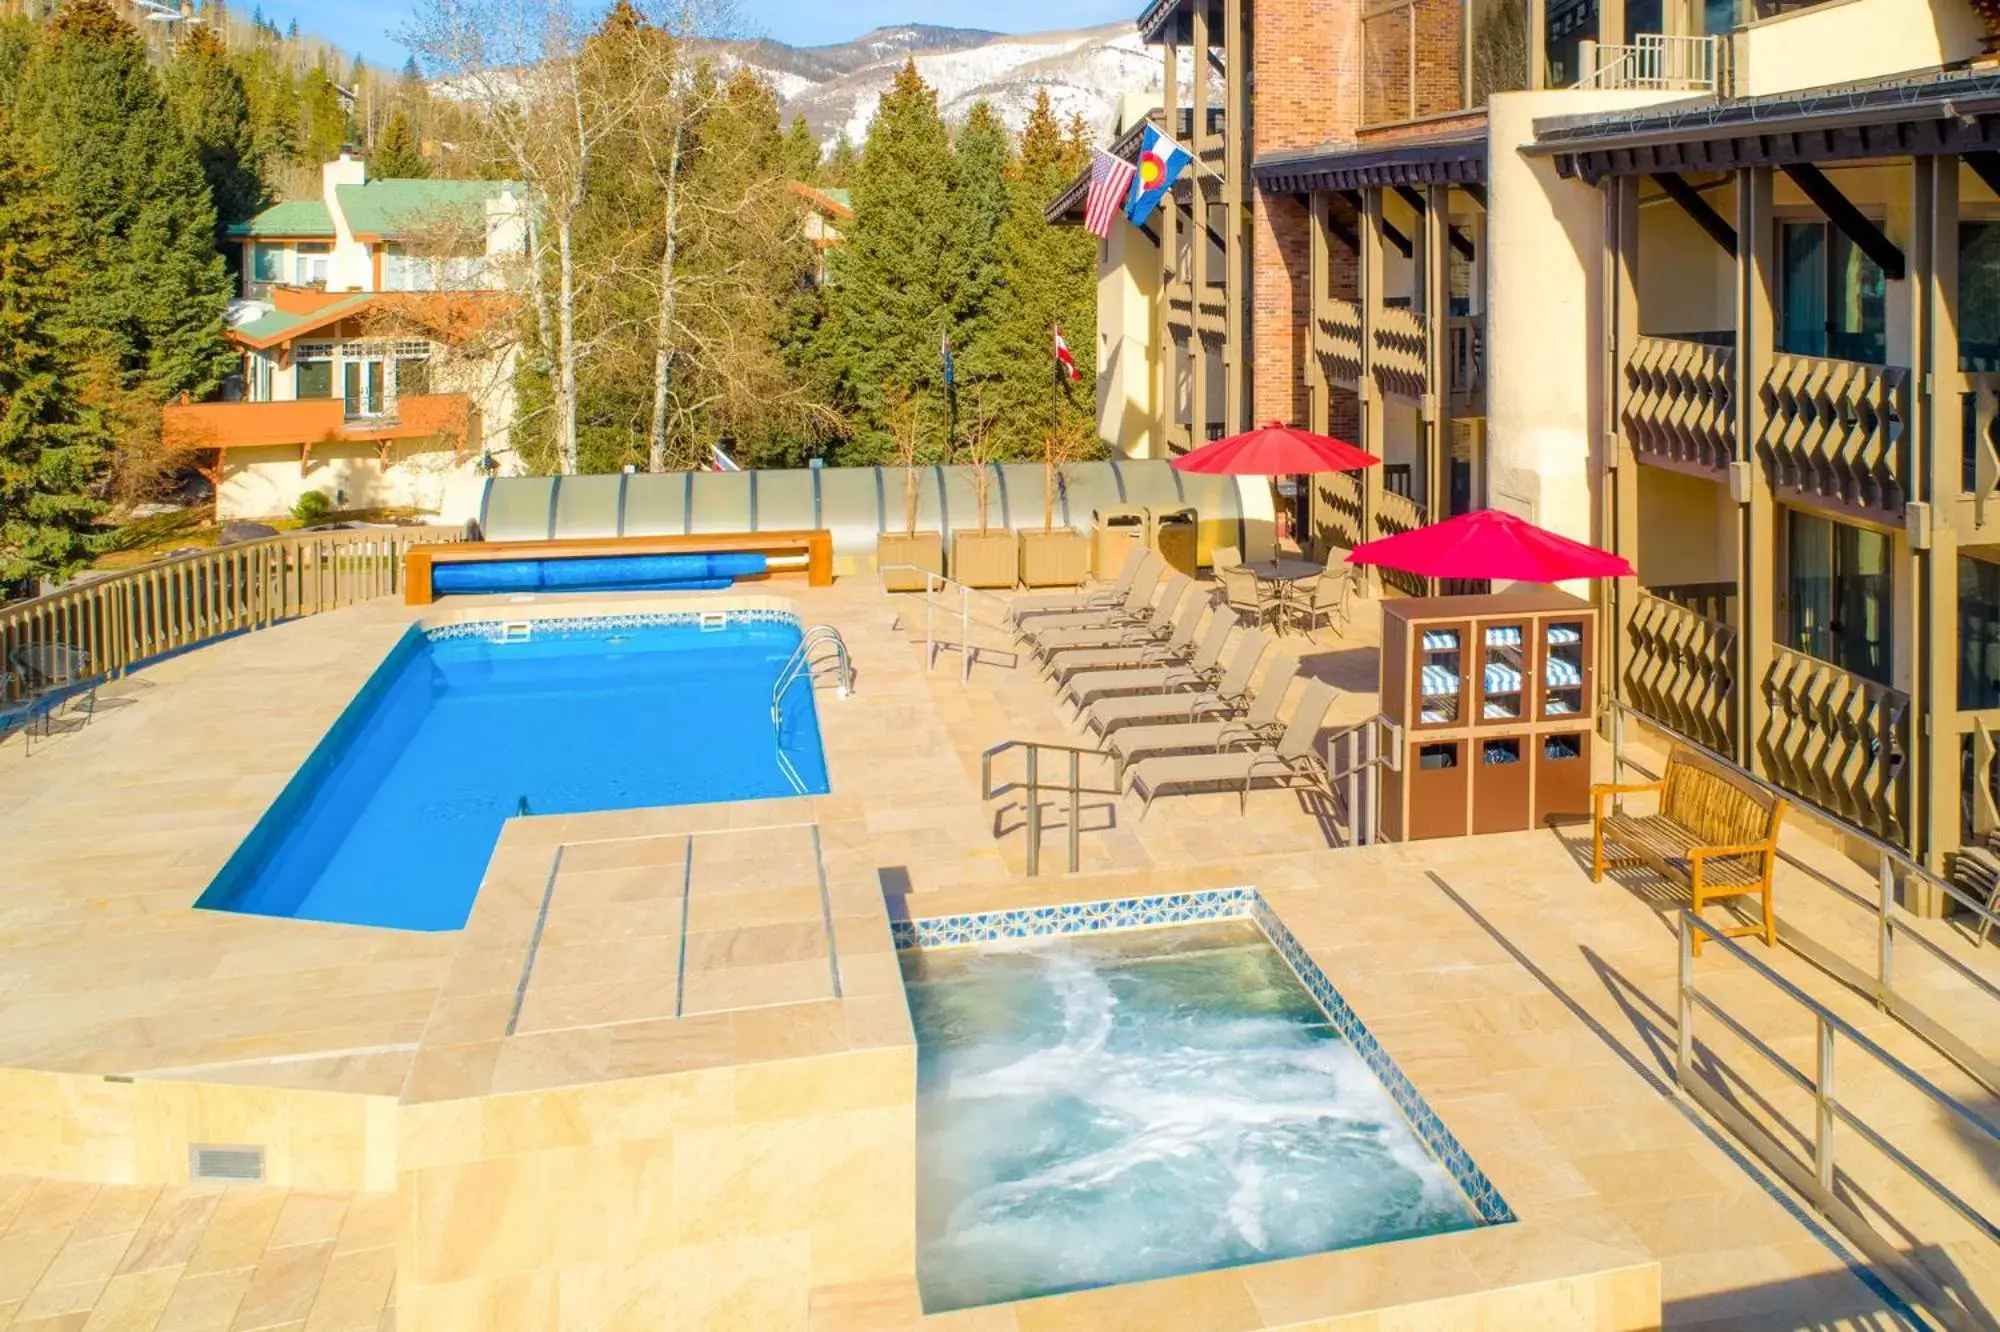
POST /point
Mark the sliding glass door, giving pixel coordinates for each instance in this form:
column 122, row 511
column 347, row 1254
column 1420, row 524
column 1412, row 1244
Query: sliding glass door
column 1833, row 299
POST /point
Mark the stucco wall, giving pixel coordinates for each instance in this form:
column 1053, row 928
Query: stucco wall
column 1128, row 378
column 1855, row 39
column 1687, row 529
column 266, row 482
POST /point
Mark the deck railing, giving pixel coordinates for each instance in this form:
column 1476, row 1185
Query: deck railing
column 1658, row 62
column 1396, row 514
column 1835, row 431
column 1681, row 671
column 1678, row 407
column 1340, row 508
column 1339, row 341
column 1840, row 741
column 125, row 619
column 1981, row 458
column 1400, row 352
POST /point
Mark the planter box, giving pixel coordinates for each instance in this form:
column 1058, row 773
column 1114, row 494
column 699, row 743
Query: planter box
column 984, row 559
column 924, row 549
column 1060, row 558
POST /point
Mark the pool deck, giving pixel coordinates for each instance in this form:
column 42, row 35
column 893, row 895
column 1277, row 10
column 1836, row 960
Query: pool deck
column 487, row 1072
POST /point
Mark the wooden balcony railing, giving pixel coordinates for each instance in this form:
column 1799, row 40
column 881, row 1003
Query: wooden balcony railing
column 1400, row 352
column 1980, row 463
column 126, row 619
column 1396, row 514
column 1340, row 508
column 1678, row 408
column 1339, row 342
column 1838, row 741
column 1834, row 432
column 1465, row 363
column 1681, row 671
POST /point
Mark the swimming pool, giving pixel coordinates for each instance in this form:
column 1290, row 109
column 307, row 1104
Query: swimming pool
column 392, row 818
column 1102, row 1107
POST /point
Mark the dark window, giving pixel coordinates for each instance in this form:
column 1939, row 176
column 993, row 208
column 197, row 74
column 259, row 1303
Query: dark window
column 1978, row 634
column 1979, row 295
column 1840, row 595
column 315, row 379
column 1835, row 298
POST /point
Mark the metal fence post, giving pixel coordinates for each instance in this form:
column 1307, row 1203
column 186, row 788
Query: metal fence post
column 1823, row 1107
column 1684, row 1036
column 1034, row 815
column 1885, row 932
column 1075, row 810
column 964, row 634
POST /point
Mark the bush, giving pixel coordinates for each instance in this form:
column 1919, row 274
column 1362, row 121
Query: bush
column 312, row 506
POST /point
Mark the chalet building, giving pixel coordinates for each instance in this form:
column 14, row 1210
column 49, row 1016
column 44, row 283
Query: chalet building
column 369, row 325
column 1716, row 286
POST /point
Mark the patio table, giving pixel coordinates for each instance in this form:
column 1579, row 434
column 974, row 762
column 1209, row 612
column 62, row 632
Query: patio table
column 1286, row 574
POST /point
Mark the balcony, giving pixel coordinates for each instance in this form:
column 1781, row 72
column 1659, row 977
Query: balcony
column 1679, row 410
column 1400, row 353
column 1681, row 669
column 304, row 423
column 1834, row 433
column 1839, row 741
column 1338, row 342
column 1655, row 62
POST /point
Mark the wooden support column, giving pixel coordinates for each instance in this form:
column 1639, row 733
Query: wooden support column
column 1436, row 284
column 1318, row 263
column 1937, row 412
column 1237, row 356
column 1170, row 274
column 1368, row 229
column 1197, row 178
column 1621, row 499
column 1749, row 484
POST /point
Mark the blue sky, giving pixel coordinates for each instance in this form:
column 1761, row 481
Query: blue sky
column 369, row 26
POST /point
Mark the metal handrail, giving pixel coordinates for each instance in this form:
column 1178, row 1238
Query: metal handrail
column 933, row 582
column 802, row 662
column 1033, row 786
column 1893, row 920
column 1363, row 808
column 1828, row 1111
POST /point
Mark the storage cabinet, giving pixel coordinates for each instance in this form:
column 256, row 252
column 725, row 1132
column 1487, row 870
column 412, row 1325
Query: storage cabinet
column 1495, row 698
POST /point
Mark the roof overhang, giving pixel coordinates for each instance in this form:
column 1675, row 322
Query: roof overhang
column 1156, row 16
column 1453, row 159
column 1943, row 112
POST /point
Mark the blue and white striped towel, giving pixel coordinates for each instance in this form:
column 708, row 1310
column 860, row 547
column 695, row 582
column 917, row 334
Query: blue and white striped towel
column 1503, row 635
column 1502, row 679
column 1565, row 633
column 1439, row 682
column 1440, row 640
column 1563, row 674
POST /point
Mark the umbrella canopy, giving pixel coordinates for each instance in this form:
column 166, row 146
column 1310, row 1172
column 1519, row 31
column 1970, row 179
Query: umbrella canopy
column 1276, row 450
column 1489, row 544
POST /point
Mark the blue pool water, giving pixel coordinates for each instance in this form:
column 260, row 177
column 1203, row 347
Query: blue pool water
column 1097, row 1109
column 394, row 815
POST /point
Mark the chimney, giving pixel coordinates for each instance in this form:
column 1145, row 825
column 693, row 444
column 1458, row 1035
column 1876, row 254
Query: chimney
column 347, row 169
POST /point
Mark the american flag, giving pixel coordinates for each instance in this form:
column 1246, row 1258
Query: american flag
column 1110, row 183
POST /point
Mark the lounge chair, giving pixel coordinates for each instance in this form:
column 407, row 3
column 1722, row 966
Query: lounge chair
column 1063, row 662
column 1200, row 670
column 1105, row 598
column 53, row 672
column 1228, row 697
column 1157, row 623
column 1138, row 604
column 1259, row 724
column 1294, row 761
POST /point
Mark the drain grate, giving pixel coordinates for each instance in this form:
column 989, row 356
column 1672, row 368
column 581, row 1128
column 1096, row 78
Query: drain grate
column 515, row 631
column 229, row 1165
column 714, row 620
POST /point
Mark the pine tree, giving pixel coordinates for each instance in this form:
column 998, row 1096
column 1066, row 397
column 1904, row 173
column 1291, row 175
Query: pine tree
column 979, row 180
column 802, row 151
column 1050, row 280
column 395, row 155
column 212, row 108
column 17, row 40
column 323, row 123
column 91, row 111
column 900, row 269
column 841, row 163
column 52, row 449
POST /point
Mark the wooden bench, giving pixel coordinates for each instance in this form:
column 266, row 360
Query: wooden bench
column 812, row 546
column 1712, row 831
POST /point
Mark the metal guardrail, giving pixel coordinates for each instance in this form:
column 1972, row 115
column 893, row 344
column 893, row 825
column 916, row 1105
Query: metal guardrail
column 1033, row 786
column 934, row 583
column 1364, row 806
column 126, row 619
column 1894, row 923
column 1819, row 1186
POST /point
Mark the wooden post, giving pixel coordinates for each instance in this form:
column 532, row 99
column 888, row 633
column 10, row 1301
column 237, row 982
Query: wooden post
column 1935, row 435
column 1237, row 358
column 1170, row 274
column 1757, row 534
column 1621, row 324
column 1197, row 179
column 1437, row 317
column 1368, row 232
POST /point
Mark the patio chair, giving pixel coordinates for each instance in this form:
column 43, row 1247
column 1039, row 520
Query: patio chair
column 1064, row 662
column 52, row 672
column 1085, row 687
column 1228, row 697
column 19, row 709
column 1293, row 762
column 1156, row 624
column 1105, row 598
column 1332, row 600
column 1245, row 596
column 1136, row 606
column 1259, row 724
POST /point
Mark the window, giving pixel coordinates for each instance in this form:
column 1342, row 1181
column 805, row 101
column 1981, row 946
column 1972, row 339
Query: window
column 259, row 377
column 1840, row 594
column 1978, row 634
column 1834, row 297
column 1569, row 23
column 313, row 260
column 314, row 361
column 413, row 368
column 267, row 263
column 1499, row 44
column 1979, row 295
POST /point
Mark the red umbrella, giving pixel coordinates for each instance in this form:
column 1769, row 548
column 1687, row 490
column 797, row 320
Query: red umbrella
column 1489, row 544
column 1276, row 449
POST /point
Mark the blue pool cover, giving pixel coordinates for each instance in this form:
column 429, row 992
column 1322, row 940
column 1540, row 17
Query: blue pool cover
column 597, row 574
column 392, row 818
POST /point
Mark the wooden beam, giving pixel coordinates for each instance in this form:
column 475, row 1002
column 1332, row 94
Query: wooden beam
column 1867, row 237
column 1985, row 164
column 1698, row 209
column 1476, row 193
column 1396, row 238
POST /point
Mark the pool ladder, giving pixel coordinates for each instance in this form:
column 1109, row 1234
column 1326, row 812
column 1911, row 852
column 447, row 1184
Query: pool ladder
column 821, row 654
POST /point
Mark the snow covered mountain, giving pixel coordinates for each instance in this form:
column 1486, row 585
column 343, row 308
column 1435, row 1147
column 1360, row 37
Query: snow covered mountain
column 837, row 88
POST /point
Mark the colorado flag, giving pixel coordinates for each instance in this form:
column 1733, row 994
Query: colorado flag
column 1161, row 161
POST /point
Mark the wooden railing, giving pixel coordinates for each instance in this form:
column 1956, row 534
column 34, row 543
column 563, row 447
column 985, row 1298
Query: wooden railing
column 1400, row 352
column 1395, row 514
column 1838, row 741
column 1339, row 341
column 1678, row 408
column 1465, row 363
column 1340, row 509
column 1981, row 461
column 1681, row 671
column 126, row 619
column 1835, row 431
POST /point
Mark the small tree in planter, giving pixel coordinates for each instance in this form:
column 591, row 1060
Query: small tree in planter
column 919, row 550
column 984, row 558
column 1058, row 557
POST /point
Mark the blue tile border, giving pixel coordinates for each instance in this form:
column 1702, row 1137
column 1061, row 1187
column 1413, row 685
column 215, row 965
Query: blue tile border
column 592, row 624
column 1225, row 904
